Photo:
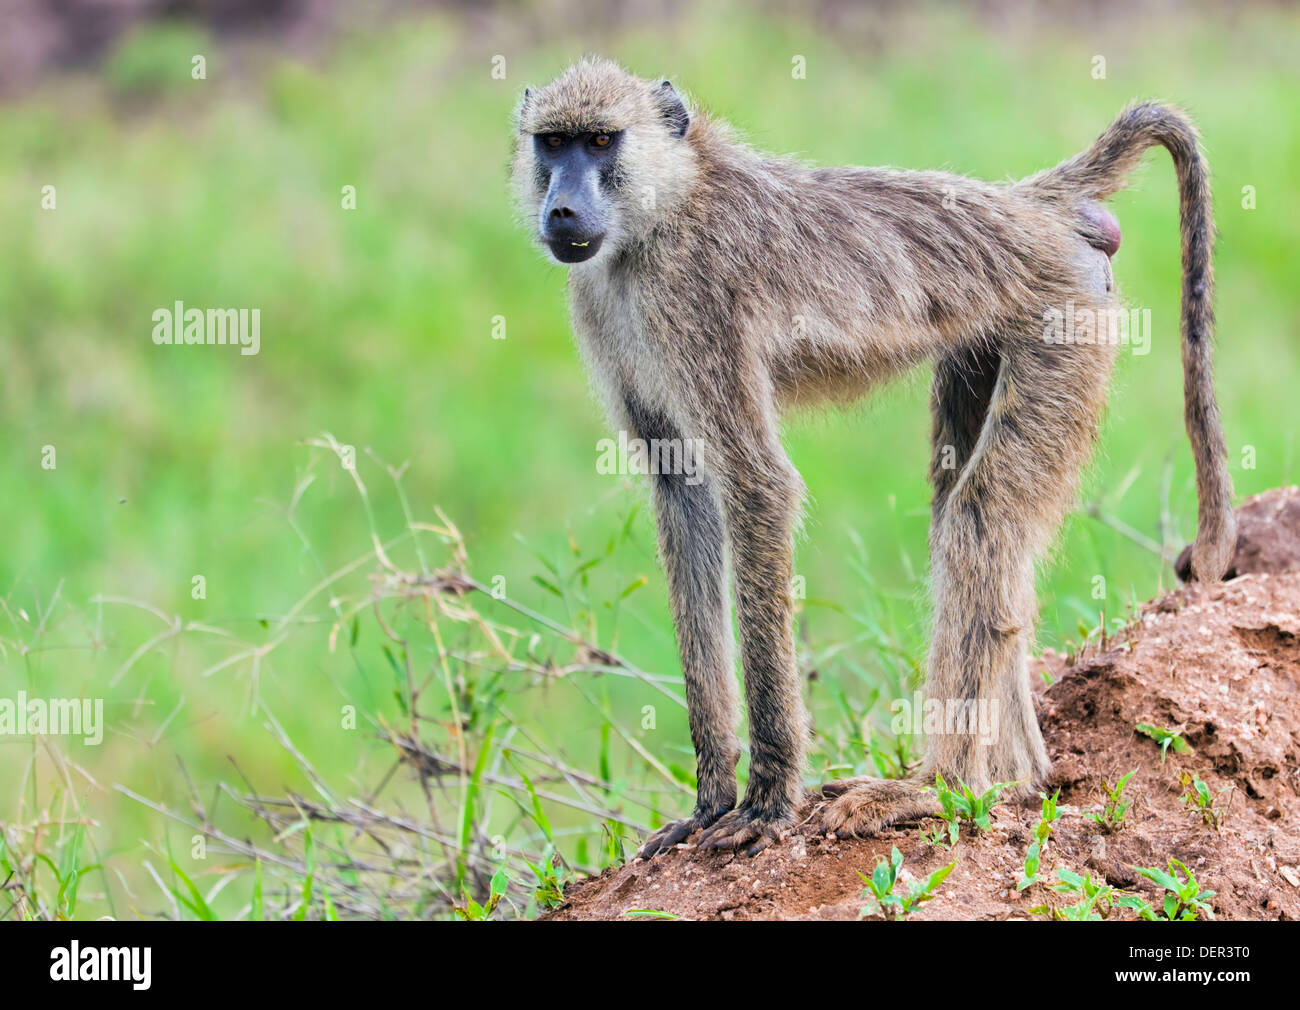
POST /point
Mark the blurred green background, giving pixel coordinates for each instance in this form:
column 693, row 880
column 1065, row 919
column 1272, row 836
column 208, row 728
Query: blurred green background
column 377, row 327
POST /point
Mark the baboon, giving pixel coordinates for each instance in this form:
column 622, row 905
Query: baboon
column 712, row 288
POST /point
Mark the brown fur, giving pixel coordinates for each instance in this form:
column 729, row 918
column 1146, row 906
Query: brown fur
column 734, row 285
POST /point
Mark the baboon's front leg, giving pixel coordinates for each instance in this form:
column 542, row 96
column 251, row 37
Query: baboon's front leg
column 762, row 494
column 692, row 543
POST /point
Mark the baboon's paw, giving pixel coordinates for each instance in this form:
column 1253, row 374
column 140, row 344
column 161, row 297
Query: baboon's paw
column 857, row 807
column 676, row 832
column 746, row 826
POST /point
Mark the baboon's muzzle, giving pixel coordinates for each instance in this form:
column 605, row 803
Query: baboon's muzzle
column 575, row 250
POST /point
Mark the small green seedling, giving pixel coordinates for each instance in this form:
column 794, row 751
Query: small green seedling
column 472, row 911
column 964, row 805
column 651, row 913
column 879, row 892
column 551, row 877
column 938, row 837
column 1184, row 899
column 1096, row 899
column 1095, row 902
column 1199, row 797
column 1033, row 857
column 1166, row 738
column 1111, row 816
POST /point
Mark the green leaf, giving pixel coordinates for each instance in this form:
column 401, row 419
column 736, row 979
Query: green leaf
column 1159, row 877
column 470, row 801
column 1070, row 877
column 633, row 586
column 195, row 904
column 881, row 879
column 257, row 913
column 550, row 587
column 939, row 876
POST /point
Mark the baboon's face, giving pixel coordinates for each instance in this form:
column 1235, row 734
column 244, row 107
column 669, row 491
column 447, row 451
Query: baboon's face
column 600, row 154
column 579, row 171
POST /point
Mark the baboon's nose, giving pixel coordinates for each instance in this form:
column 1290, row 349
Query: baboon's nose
column 561, row 211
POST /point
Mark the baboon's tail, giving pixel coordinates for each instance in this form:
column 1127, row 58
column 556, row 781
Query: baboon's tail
column 1101, row 170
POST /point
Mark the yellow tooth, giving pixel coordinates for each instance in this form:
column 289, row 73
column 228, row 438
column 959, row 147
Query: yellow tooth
column 588, row 242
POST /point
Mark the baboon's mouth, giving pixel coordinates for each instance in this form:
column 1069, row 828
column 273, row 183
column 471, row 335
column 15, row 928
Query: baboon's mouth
column 568, row 250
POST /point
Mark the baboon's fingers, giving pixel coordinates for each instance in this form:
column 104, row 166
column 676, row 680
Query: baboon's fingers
column 676, row 832
column 742, row 827
column 666, row 837
column 730, row 830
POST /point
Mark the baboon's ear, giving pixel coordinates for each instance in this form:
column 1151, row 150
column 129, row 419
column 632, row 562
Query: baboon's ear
column 674, row 109
column 521, row 107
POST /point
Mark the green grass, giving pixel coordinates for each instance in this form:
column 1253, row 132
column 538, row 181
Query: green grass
column 377, row 328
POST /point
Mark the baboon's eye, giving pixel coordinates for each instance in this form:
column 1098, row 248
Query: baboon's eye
column 553, row 140
column 600, row 140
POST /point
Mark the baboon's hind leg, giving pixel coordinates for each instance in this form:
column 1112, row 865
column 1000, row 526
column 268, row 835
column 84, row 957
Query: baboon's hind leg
column 997, row 521
column 959, row 401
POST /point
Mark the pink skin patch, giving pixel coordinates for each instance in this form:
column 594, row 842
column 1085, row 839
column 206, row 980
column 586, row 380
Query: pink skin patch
column 1104, row 223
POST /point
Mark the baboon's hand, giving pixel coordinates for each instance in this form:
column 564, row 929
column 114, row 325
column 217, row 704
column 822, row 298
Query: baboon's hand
column 744, row 825
column 864, row 806
column 676, row 832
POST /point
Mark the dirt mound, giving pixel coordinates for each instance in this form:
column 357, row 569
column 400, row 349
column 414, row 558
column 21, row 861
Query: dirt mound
column 1221, row 662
